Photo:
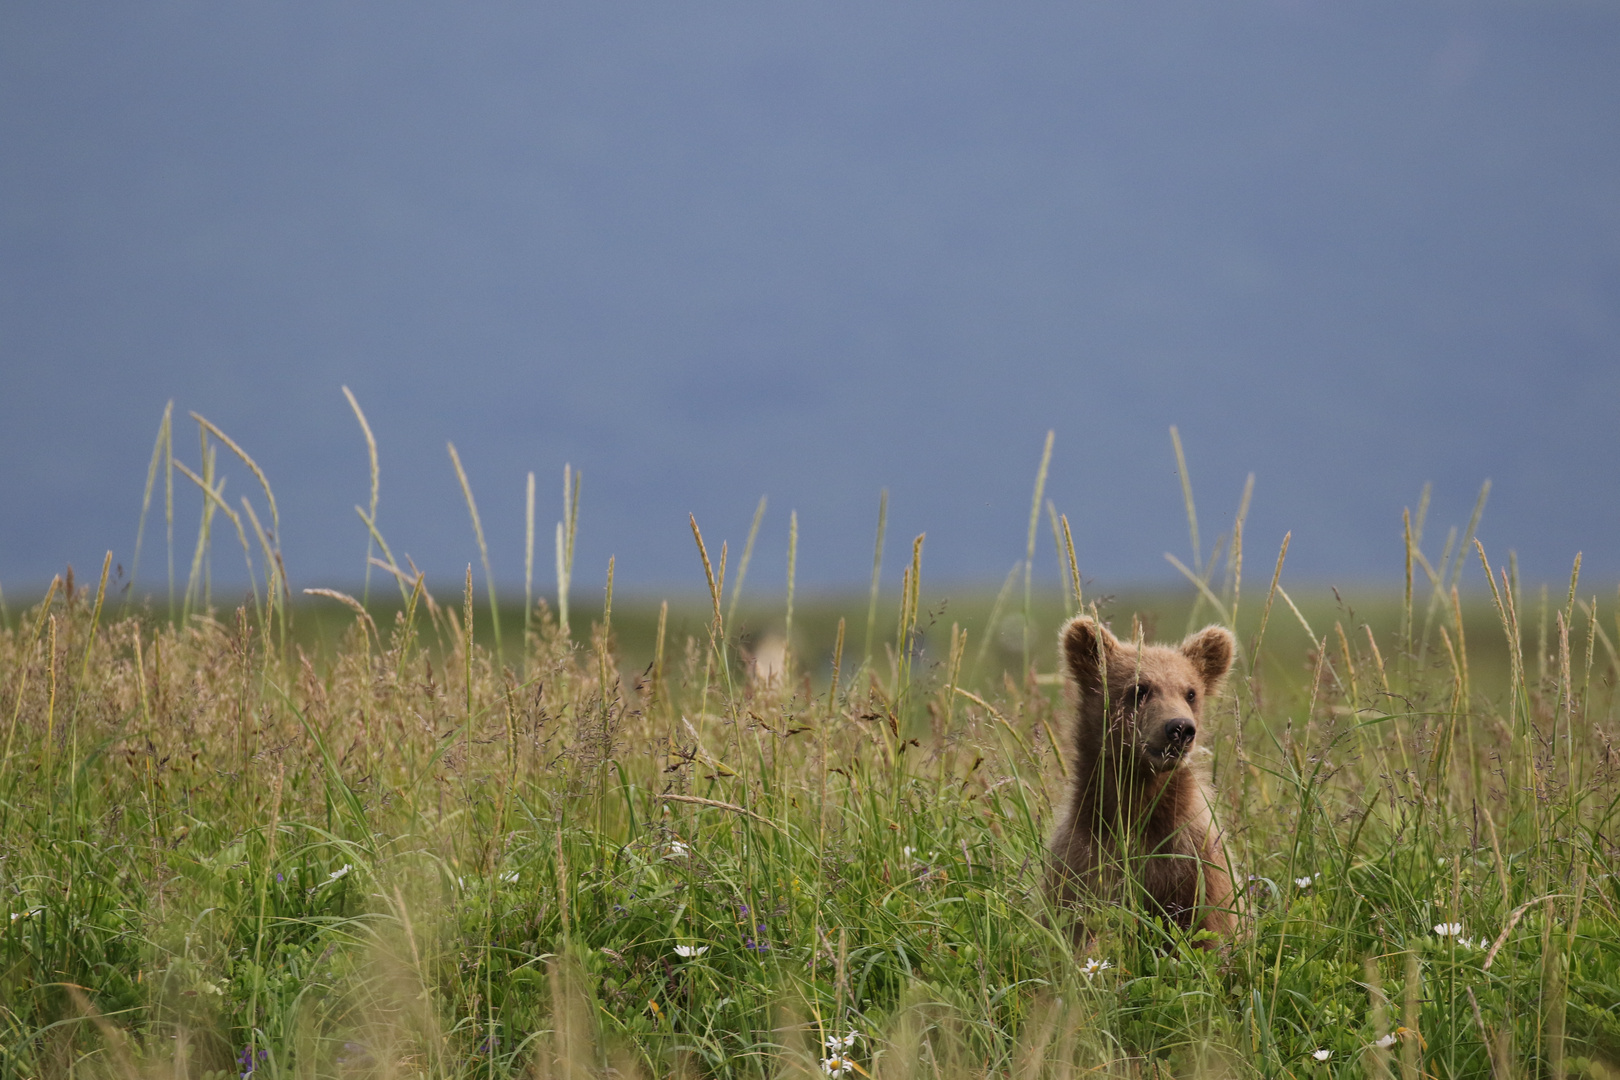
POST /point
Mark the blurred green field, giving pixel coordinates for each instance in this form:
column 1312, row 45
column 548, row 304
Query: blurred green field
column 305, row 837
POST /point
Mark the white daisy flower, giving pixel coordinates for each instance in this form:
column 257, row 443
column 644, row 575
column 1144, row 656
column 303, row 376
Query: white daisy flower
column 1093, row 965
column 1322, row 1055
column 1447, row 929
column 836, row 1065
column 842, row 1044
column 686, row 952
column 341, row 871
column 1386, row 1042
column 1306, row 882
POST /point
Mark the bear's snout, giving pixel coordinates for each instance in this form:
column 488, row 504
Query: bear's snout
column 1179, row 733
column 1166, row 748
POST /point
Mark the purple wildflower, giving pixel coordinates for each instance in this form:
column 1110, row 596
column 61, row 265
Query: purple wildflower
column 355, row 1054
column 248, row 1062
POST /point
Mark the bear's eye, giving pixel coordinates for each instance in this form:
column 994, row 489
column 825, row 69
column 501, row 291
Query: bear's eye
column 1141, row 692
column 1192, row 696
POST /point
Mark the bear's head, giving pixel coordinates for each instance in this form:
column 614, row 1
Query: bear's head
column 1145, row 702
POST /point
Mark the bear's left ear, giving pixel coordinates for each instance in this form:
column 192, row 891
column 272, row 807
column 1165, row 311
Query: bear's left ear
column 1211, row 651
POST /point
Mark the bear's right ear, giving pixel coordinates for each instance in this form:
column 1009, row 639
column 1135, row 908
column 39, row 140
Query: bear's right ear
column 1087, row 647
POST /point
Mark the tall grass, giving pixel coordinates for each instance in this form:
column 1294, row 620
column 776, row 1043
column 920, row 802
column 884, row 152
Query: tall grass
column 364, row 839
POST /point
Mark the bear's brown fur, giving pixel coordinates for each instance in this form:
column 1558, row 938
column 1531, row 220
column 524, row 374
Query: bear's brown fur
column 1138, row 816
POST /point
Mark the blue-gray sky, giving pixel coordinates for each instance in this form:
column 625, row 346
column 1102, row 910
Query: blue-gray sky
column 710, row 251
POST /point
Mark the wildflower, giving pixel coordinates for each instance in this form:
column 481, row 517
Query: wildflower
column 1386, row 1042
column 842, row 1044
column 510, row 878
column 1307, row 881
column 1093, row 965
column 341, row 871
column 1447, row 929
column 1322, row 1055
column 354, row 1053
column 248, row 1062
column 837, row 1065
column 676, row 850
column 1468, row 943
column 686, row 952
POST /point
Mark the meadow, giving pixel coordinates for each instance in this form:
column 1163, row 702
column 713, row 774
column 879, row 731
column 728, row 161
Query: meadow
column 431, row 830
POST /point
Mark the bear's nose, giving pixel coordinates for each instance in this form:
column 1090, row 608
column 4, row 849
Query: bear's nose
column 1180, row 732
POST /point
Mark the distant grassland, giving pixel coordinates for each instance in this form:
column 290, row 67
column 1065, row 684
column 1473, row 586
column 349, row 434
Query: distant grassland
column 732, row 837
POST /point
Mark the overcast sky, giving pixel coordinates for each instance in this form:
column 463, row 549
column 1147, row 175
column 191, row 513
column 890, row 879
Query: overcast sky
column 710, row 251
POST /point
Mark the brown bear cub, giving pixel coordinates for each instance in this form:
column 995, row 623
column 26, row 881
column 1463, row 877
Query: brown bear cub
column 1139, row 805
